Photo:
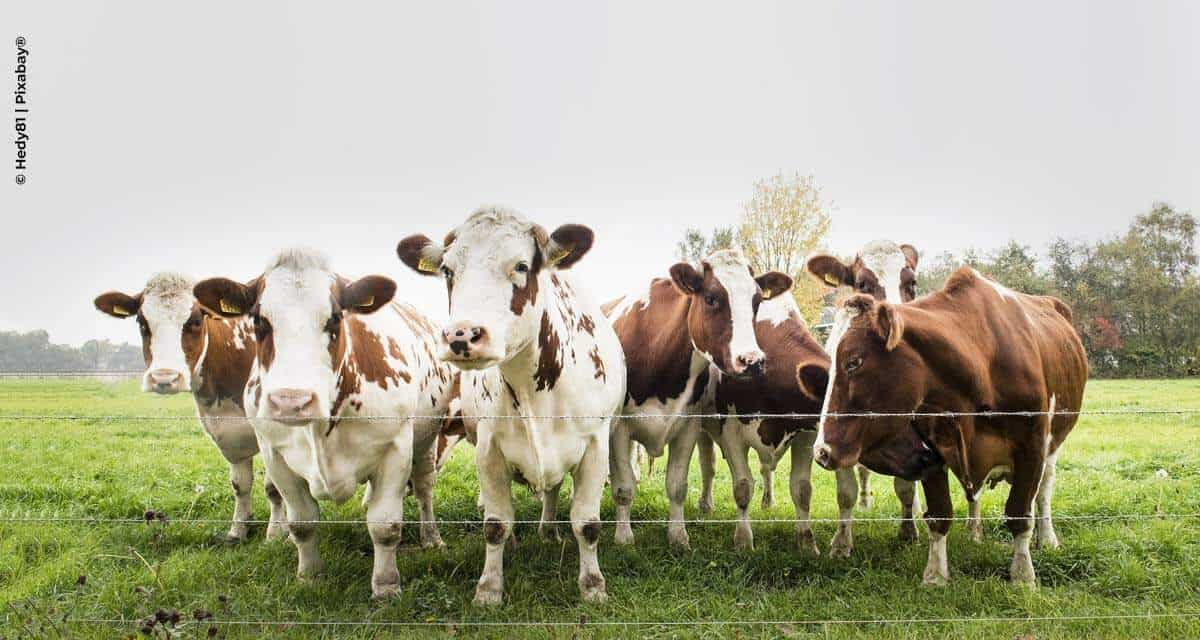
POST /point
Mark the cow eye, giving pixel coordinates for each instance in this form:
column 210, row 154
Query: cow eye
column 447, row 272
column 261, row 326
column 521, row 267
column 710, row 300
column 193, row 322
column 854, row 364
column 864, row 287
column 334, row 323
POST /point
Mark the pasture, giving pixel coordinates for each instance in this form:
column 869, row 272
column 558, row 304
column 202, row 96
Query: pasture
column 53, row 575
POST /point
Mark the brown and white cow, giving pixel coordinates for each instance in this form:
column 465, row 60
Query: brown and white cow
column 789, row 347
column 886, row 272
column 339, row 381
column 975, row 347
column 542, row 374
column 672, row 333
column 187, row 348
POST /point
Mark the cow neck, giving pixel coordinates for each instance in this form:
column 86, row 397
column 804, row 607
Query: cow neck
column 662, row 366
column 221, row 370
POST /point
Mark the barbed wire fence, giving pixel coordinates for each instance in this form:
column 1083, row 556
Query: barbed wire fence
column 159, row 519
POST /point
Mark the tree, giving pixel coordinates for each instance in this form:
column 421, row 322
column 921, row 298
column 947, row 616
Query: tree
column 695, row 246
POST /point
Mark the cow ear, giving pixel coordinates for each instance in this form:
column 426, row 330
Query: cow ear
column 568, row 244
column 773, row 284
column 686, row 278
column 858, row 304
column 368, row 294
column 889, row 324
column 813, row 379
column 420, row 254
column 910, row 255
column 830, row 270
column 117, row 304
column 226, row 297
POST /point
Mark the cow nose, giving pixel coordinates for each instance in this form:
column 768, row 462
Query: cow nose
column 751, row 362
column 165, row 380
column 824, row 456
column 463, row 337
column 292, row 404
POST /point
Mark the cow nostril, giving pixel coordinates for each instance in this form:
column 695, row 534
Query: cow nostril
column 477, row 334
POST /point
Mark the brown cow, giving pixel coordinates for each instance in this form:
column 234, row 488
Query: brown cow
column 885, row 271
column 973, row 347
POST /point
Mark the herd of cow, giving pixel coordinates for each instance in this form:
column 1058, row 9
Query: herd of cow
column 337, row 384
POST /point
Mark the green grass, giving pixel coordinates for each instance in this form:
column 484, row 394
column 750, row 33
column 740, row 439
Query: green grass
column 108, row 467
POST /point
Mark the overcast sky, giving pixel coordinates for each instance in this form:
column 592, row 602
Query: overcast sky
column 164, row 137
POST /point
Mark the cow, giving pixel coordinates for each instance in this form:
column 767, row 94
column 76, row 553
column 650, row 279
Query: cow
column 789, row 347
column 885, row 271
column 187, row 348
column 340, row 384
column 974, row 348
column 673, row 332
column 542, row 374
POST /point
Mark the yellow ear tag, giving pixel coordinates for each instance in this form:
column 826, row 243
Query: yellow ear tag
column 366, row 304
column 559, row 254
column 767, row 295
column 833, row 282
column 427, row 266
column 121, row 311
column 229, row 308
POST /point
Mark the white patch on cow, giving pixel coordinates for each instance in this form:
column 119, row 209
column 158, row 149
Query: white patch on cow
column 1004, row 291
column 841, row 323
column 937, row 567
column 731, row 269
column 780, row 309
column 166, row 305
column 885, row 259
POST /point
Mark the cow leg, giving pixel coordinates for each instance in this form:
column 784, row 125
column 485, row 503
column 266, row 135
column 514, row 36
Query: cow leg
column 767, row 471
column 548, row 526
column 495, row 485
column 906, row 492
column 800, row 483
column 623, row 481
column 589, row 476
column 736, row 450
column 974, row 519
column 679, row 458
column 385, row 516
column 241, row 478
column 424, row 476
column 303, row 514
column 1018, row 511
column 866, row 498
column 1045, row 525
column 847, row 491
column 936, row 485
column 704, row 443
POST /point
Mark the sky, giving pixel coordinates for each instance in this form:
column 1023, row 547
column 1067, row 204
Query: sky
column 163, row 137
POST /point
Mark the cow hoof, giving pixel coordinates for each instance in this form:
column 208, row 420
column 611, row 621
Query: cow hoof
column 743, row 539
column 935, row 578
column 840, row 546
column 385, row 591
column 309, row 577
column 1021, row 573
column 592, row 588
column 549, row 533
column 866, row 501
column 706, row 505
column 232, row 538
column 1047, row 541
column 276, row 532
column 486, row 597
column 975, row 533
column 908, row 531
column 434, row 542
column 624, row 534
column 512, row 541
column 806, row 543
column 679, row 540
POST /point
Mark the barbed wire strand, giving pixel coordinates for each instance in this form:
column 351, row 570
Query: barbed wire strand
column 148, row 520
column 584, row 622
column 639, row 416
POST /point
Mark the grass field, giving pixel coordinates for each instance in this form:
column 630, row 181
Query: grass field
column 107, row 467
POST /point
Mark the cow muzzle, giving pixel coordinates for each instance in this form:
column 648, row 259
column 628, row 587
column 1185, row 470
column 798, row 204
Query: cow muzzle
column 468, row 345
column 831, row 460
column 292, row 406
column 164, row 381
column 750, row 364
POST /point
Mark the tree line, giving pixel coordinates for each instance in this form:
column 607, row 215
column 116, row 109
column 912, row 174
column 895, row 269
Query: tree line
column 33, row 352
column 1135, row 296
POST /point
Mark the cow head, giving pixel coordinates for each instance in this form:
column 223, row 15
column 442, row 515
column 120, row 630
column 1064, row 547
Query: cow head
column 497, row 267
column 300, row 310
column 174, row 335
column 881, row 269
column 873, row 370
column 725, row 297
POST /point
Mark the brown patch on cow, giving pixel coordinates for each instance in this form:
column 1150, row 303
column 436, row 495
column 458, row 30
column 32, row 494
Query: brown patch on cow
column 273, row 494
column 395, row 352
column 449, row 239
column 591, row 532
column 226, row 369
column 587, row 324
column 368, row 358
column 265, row 340
column 550, row 356
column 527, row 295
column 597, row 362
column 494, row 531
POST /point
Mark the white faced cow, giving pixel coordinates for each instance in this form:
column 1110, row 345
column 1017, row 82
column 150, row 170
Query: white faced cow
column 885, row 271
column 187, row 348
column 339, row 376
column 672, row 333
column 542, row 373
